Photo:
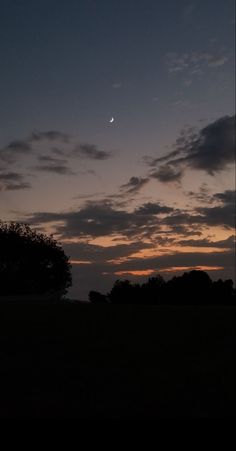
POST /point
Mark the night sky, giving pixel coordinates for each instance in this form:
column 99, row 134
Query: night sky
column 151, row 192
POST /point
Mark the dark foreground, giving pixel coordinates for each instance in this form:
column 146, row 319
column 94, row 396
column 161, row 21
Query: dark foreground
column 113, row 361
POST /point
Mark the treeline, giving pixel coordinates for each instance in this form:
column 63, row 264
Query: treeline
column 191, row 288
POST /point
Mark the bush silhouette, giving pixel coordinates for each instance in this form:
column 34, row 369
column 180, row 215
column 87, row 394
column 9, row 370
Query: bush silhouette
column 31, row 263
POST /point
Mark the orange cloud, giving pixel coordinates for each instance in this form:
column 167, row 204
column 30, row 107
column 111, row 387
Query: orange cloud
column 190, row 268
column 148, row 272
column 144, row 272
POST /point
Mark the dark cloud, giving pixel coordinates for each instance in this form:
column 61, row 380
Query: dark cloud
column 100, row 218
column 59, row 169
column 19, row 146
column 11, row 176
column 14, row 186
column 214, row 148
column 202, row 196
column 151, row 208
column 55, row 165
column 10, row 153
column 100, row 254
column 39, row 142
column 211, row 149
column 167, row 173
column 51, row 135
column 91, row 151
column 49, row 159
column 10, row 181
column 103, row 217
column 134, row 185
column 222, row 215
column 227, row 243
column 228, row 197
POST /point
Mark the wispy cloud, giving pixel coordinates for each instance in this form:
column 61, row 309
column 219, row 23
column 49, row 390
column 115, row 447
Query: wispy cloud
column 90, row 151
column 194, row 62
column 117, row 85
column 134, row 185
column 10, row 181
column 51, row 135
column 59, row 169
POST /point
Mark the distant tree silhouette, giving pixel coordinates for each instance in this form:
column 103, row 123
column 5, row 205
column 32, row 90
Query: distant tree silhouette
column 31, row 263
column 153, row 289
column 121, row 291
column 97, row 298
column 191, row 288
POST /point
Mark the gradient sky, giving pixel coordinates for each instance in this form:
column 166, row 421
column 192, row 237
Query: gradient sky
column 152, row 192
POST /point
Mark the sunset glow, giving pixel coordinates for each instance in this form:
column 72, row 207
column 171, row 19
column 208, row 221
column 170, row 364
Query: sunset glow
column 153, row 190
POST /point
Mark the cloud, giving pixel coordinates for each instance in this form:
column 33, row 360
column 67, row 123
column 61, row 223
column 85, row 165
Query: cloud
column 101, row 218
column 8, row 186
column 59, row 169
column 167, row 173
column 41, row 142
column 220, row 215
column 211, row 149
column 216, row 61
column 91, row 151
column 134, row 184
column 117, row 85
column 55, row 165
column 227, row 197
column 100, row 275
column 151, row 208
column 194, row 62
column 100, row 254
column 49, row 159
column 156, row 237
column 202, row 196
column 227, row 243
column 188, row 10
column 10, row 153
column 11, row 176
column 51, row 135
column 223, row 214
column 10, row 181
column 187, row 83
column 104, row 218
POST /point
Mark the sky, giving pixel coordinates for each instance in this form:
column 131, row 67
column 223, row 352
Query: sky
column 117, row 134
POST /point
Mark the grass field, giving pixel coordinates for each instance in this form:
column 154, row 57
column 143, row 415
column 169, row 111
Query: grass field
column 114, row 361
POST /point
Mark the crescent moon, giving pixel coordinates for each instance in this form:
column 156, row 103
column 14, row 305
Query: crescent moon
column 111, row 120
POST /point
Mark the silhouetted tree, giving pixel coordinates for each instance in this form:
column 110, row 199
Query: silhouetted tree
column 153, row 289
column 222, row 289
column 31, row 263
column 191, row 288
column 97, row 298
column 122, row 292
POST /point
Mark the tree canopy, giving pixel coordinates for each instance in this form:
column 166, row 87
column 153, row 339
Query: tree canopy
column 31, row 263
column 194, row 287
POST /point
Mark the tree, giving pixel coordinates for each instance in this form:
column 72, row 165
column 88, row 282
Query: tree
column 122, row 292
column 97, row 298
column 153, row 289
column 31, row 263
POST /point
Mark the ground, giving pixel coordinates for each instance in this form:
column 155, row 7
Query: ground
column 115, row 361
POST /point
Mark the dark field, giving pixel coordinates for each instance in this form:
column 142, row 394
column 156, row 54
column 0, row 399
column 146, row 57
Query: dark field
column 114, row 361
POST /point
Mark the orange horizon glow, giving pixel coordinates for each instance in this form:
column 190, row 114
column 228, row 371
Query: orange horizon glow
column 148, row 272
